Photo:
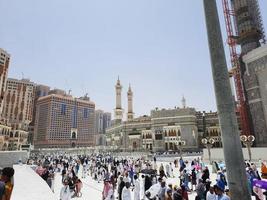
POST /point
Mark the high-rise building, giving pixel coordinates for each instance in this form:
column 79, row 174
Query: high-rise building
column 102, row 122
column 18, row 104
column 4, row 64
column 18, row 110
column 106, row 121
column 4, row 128
column 64, row 121
column 40, row 91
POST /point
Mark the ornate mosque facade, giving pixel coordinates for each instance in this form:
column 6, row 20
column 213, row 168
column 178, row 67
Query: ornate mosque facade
column 175, row 129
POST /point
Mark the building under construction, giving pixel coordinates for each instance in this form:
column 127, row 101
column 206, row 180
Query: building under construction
column 249, row 66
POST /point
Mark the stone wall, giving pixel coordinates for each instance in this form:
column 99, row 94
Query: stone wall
column 256, row 90
column 9, row 158
column 217, row 154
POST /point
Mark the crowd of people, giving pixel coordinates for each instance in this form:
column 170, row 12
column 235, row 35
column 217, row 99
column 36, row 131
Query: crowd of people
column 140, row 179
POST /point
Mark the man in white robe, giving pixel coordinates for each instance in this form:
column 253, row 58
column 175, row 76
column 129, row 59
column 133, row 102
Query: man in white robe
column 126, row 193
column 136, row 188
column 142, row 187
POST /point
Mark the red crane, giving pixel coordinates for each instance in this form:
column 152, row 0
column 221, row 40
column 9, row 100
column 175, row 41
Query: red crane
column 242, row 106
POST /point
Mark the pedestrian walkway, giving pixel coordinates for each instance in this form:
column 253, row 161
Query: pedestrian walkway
column 29, row 186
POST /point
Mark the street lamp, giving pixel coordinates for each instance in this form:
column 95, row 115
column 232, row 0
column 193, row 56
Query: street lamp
column 248, row 141
column 208, row 142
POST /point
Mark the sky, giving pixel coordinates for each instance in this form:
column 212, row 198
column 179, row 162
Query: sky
column 158, row 46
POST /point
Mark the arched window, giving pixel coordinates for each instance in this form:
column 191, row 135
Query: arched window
column 11, row 134
column 73, row 135
column 134, row 145
column 17, row 134
column 179, row 133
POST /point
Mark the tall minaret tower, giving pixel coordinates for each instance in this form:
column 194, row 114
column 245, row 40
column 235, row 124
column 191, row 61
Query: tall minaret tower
column 118, row 109
column 249, row 24
column 183, row 102
column 130, row 114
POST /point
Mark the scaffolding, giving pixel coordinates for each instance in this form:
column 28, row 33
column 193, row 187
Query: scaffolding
column 254, row 10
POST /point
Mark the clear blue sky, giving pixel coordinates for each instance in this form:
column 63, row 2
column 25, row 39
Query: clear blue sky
column 159, row 46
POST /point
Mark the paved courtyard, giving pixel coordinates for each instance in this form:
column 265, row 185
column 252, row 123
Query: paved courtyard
column 93, row 190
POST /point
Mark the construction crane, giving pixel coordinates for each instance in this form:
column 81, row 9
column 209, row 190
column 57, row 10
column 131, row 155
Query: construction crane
column 235, row 71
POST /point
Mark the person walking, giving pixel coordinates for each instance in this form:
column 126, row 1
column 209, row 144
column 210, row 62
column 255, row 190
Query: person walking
column 2, row 189
column 110, row 194
column 200, row 189
column 136, row 188
column 126, row 193
column 105, row 189
column 65, row 193
column 263, row 170
column 193, row 179
column 142, row 187
column 206, row 174
column 177, row 194
column 120, row 187
column 221, row 180
column 220, row 193
column 211, row 194
column 168, row 172
column 7, row 174
column 184, row 193
column 168, row 195
column 162, row 191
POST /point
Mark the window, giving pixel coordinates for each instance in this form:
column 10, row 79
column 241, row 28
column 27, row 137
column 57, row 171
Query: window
column 158, row 136
column 63, row 109
column 85, row 112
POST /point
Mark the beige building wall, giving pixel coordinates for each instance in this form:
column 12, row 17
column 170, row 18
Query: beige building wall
column 18, row 104
column 63, row 121
column 4, row 65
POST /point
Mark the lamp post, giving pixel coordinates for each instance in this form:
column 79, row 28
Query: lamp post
column 208, row 143
column 248, row 141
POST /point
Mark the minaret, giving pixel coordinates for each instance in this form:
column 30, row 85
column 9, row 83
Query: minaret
column 118, row 109
column 249, row 24
column 183, row 102
column 130, row 114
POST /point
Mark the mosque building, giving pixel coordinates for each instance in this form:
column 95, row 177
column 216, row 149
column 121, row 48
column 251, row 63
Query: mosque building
column 177, row 129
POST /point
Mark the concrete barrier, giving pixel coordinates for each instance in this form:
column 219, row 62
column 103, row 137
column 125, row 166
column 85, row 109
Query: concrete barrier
column 217, row 154
column 9, row 158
